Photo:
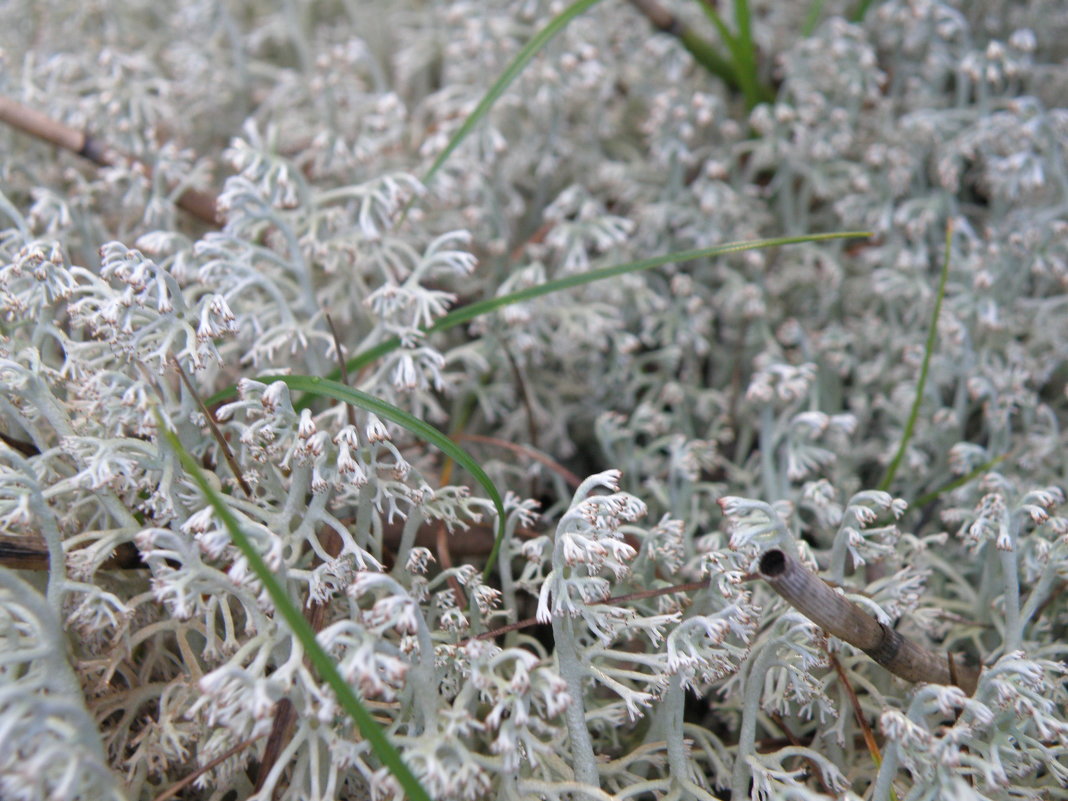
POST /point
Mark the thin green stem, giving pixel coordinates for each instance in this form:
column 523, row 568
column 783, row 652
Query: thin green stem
column 812, row 18
column 323, row 387
column 747, row 51
column 708, row 57
column 703, row 51
column 932, row 338
column 300, row 626
column 960, row 481
column 860, row 11
column 467, row 313
column 742, row 50
column 510, row 73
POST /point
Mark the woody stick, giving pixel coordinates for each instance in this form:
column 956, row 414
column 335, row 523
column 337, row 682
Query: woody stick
column 840, row 617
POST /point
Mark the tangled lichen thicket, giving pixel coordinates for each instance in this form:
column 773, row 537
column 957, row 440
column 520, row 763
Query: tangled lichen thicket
column 719, row 407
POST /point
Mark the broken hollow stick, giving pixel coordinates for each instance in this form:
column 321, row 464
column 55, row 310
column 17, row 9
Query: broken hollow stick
column 842, row 618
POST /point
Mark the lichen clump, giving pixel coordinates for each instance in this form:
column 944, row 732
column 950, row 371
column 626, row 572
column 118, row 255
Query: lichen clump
column 716, row 407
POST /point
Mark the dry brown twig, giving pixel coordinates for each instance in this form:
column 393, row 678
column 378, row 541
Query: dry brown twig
column 180, row 785
column 350, row 410
column 201, row 205
column 572, row 480
column 224, row 446
column 841, row 618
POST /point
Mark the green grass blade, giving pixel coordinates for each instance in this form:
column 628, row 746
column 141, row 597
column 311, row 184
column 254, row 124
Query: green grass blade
column 301, row 628
column 472, row 310
column 721, row 28
column 323, row 387
column 812, row 18
column 860, row 11
column 469, row 312
column 705, row 54
column 742, row 50
column 511, row 72
column 747, row 67
column 960, row 481
column 932, row 339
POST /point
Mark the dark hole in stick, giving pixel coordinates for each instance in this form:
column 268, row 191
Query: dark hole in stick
column 773, row 563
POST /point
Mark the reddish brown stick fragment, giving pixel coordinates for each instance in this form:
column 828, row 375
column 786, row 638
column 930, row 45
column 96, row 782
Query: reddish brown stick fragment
column 572, row 480
column 200, row 204
column 858, row 713
column 349, row 408
column 445, row 560
column 223, row 444
column 178, row 786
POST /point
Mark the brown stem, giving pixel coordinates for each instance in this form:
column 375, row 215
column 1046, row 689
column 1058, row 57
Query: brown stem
column 858, row 711
column 842, row 618
column 658, row 16
column 814, row 769
column 285, row 721
column 349, row 408
column 228, row 454
column 445, row 560
column 572, row 480
column 200, row 204
column 178, row 786
column 25, row 448
column 29, row 551
column 23, row 553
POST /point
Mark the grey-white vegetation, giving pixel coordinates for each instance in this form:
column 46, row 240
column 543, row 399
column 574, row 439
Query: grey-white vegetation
column 719, row 407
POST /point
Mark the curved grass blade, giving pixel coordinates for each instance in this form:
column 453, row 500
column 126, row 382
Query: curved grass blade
column 510, row 73
column 932, row 339
column 742, row 50
column 860, row 11
column 300, row 627
column 960, row 481
column 812, row 18
column 324, row 387
column 472, row 310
